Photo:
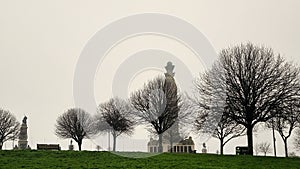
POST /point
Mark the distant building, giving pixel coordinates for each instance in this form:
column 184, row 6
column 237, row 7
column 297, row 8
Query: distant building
column 184, row 146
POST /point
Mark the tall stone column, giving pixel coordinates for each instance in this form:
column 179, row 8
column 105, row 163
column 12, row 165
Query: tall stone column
column 172, row 134
column 23, row 143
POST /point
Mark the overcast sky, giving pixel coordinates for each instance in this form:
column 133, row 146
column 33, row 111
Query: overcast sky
column 41, row 41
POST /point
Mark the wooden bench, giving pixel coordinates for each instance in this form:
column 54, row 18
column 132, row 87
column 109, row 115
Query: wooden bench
column 48, row 147
column 241, row 150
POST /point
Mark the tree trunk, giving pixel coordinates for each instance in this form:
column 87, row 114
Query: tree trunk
column 285, row 147
column 79, row 145
column 250, row 140
column 221, row 146
column 274, row 139
column 171, row 150
column 115, row 140
column 1, row 144
column 160, row 148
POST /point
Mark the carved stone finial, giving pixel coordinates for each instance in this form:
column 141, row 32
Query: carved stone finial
column 169, row 68
column 24, row 120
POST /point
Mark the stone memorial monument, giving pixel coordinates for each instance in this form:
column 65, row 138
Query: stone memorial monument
column 71, row 146
column 23, row 143
column 204, row 150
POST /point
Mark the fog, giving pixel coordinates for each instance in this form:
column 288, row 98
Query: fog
column 41, row 42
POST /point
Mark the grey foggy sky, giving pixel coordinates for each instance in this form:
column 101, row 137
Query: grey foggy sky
column 40, row 42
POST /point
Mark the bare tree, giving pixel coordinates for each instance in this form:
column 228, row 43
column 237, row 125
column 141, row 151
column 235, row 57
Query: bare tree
column 116, row 116
column 265, row 148
column 157, row 104
column 210, row 104
column 271, row 124
column 9, row 127
column 75, row 123
column 225, row 130
column 254, row 81
column 181, row 127
column 287, row 121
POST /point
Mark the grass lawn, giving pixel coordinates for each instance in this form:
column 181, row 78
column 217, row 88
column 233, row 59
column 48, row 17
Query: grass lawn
column 89, row 159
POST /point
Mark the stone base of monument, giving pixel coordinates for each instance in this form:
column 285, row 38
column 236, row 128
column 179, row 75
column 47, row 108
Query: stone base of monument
column 71, row 147
column 22, row 144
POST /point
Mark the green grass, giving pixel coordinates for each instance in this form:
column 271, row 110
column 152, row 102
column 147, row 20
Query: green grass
column 89, row 159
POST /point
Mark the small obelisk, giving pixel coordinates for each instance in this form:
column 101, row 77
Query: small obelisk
column 23, row 143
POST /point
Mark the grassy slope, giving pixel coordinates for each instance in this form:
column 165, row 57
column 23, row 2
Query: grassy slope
column 88, row 159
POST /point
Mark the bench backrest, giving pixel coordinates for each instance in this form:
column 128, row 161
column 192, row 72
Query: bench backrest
column 48, row 147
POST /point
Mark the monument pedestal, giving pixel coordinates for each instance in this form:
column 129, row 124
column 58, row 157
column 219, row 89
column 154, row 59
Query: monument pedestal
column 22, row 144
column 71, row 147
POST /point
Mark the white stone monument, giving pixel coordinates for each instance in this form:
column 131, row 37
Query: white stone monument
column 71, row 146
column 23, row 143
column 204, row 150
